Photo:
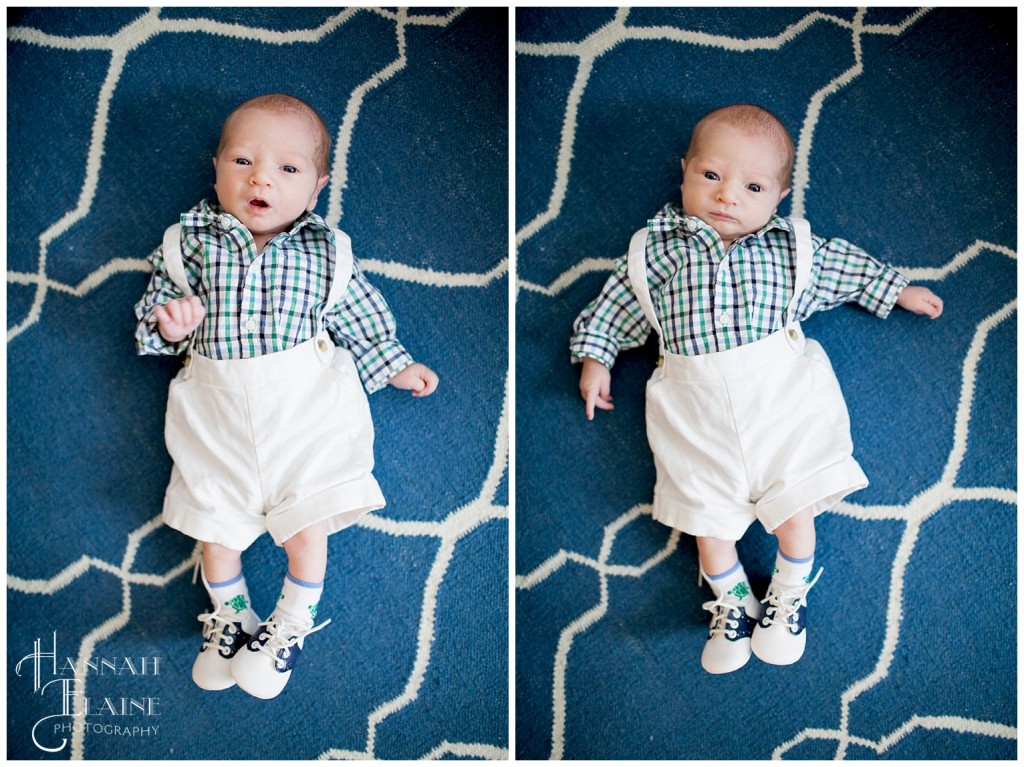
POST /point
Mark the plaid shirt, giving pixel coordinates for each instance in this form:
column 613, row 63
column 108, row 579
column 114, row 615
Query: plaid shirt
column 710, row 301
column 260, row 303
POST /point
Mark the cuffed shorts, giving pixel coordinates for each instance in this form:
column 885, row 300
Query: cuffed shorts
column 760, row 431
column 269, row 444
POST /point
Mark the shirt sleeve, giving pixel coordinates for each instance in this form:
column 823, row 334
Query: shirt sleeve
column 362, row 323
column 159, row 291
column 611, row 322
column 843, row 273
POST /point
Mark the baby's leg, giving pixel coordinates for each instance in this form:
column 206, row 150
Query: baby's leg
column 796, row 535
column 220, row 563
column 734, row 611
column 716, row 556
column 228, row 626
column 307, row 553
column 780, row 637
column 307, row 566
column 264, row 668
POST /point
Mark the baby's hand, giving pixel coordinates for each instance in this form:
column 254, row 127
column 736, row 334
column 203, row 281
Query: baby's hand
column 179, row 317
column 920, row 301
column 595, row 386
column 419, row 379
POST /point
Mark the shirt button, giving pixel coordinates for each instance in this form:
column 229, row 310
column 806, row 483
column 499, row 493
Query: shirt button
column 691, row 225
column 724, row 318
column 250, row 325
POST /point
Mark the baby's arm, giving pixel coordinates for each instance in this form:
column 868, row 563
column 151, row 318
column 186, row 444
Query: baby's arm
column 418, row 378
column 596, row 386
column 179, row 317
column 920, row 300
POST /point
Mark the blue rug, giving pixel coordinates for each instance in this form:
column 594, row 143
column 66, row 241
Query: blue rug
column 906, row 134
column 113, row 115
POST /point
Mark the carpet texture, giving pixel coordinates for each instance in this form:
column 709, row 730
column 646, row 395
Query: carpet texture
column 905, row 126
column 113, row 115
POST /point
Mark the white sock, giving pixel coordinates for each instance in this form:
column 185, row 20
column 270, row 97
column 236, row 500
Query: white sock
column 233, row 596
column 299, row 599
column 733, row 582
column 792, row 572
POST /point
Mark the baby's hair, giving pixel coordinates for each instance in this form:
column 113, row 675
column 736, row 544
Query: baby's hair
column 749, row 118
column 280, row 103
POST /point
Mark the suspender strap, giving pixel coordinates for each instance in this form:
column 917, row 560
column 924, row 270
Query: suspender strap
column 804, row 264
column 343, row 267
column 637, row 262
column 172, row 259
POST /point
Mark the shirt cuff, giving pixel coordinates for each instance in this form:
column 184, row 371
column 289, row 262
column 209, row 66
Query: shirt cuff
column 149, row 341
column 381, row 363
column 880, row 296
column 595, row 345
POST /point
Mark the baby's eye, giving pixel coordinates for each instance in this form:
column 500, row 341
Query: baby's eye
column 710, row 175
column 241, row 161
column 754, row 187
column 290, row 169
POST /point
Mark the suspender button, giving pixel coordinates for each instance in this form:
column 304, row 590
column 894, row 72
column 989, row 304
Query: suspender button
column 794, row 334
column 322, row 345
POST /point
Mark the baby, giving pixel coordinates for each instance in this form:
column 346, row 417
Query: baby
column 267, row 422
column 745, row 417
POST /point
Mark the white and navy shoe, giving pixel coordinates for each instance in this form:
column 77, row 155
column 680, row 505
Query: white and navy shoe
column 781, row 635
column 728, row 645
column 264, row 665
column 226, row 629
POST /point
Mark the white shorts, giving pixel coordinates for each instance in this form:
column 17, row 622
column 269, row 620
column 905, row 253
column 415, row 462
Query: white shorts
column 760, row 431
column 269, row 444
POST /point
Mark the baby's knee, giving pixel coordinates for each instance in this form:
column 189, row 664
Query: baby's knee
column 312, row 537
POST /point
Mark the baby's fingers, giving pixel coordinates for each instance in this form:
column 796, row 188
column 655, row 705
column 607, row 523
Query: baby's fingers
column 596, row 398
column 428, row 384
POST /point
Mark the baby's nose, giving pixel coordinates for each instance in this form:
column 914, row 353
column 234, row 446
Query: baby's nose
column 258, row 177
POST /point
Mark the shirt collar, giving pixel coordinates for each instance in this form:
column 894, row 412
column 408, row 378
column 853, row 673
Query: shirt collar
column 672, row 218
column 209, row 214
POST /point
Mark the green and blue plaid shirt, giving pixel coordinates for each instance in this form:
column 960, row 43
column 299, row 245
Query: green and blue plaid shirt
column 710, row 301
column 260, row 303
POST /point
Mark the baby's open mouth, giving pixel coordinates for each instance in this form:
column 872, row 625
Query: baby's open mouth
column 256, row 202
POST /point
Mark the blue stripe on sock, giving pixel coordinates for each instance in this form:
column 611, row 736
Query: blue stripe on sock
column 796, row 561
column 728, row 572
column 225, row 584
column 304, row 584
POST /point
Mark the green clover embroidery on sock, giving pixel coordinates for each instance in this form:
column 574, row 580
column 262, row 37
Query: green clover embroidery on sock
column 740, row 590
column 237, row 603
column 312, row 610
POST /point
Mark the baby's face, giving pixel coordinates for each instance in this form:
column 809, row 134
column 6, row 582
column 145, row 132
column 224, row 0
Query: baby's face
column 731, row 181
column 266, row 175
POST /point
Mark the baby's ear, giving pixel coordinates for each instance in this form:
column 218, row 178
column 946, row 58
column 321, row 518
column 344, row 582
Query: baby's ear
column 783, row 195
column 682, row 164
column 319, row 188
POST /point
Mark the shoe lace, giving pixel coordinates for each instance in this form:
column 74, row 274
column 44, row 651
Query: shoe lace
column 783, row 602
column 216, row 625
column 283, row 634
column 215, row 628
column 721, row 609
